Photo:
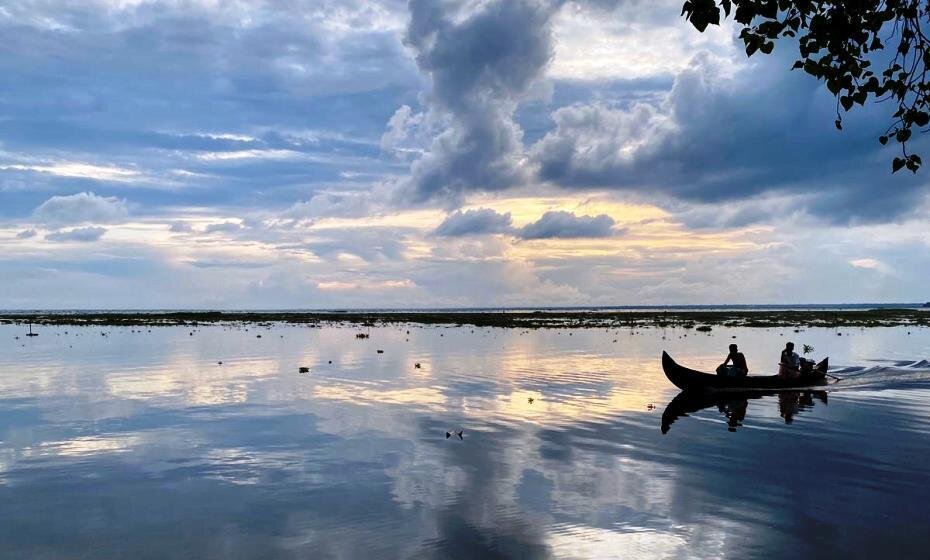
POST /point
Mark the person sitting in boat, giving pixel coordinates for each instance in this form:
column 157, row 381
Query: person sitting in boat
column 789, row 365
column 738, row 368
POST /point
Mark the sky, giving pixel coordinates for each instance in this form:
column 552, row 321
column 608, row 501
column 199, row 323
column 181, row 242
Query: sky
column 432, row 153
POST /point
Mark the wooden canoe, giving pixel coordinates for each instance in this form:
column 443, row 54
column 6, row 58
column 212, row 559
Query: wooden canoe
column 693, row 380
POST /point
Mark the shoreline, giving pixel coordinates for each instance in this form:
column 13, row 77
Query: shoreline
column 886, row 317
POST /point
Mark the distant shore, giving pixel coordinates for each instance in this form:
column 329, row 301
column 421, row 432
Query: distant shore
column 702, row 320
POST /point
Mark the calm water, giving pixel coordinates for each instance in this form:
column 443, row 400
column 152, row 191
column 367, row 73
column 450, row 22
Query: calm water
column 141, row 445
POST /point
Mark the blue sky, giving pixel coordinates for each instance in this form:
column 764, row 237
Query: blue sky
column 249, row 154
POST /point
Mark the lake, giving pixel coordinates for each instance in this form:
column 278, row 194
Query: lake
column 139, row 443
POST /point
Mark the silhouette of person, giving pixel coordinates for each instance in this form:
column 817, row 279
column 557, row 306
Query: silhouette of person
column 739, row 367
column 789, row 364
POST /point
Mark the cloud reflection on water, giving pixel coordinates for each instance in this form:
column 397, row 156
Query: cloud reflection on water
column 351, row 459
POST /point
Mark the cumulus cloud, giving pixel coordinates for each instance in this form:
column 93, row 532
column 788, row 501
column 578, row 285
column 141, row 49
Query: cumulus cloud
column 482, row 59
column 84, row 207
column 84, row 235
column 474, row 222
column 26, row 234
column 180, row 227
column 725, row 134
column 566, row 225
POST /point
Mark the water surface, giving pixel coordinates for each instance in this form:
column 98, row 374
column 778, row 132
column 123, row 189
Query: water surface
column 121, row 442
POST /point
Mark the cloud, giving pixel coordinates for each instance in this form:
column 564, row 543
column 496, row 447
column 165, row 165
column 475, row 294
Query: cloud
column 481, row 60
column 725, row 134
column 80, row 170
column 84, row 207
column 217, row 263
column 245, row 84
column 371, row 244
column 871, row 264
column 404, row 133
column 566, row 225
column 84, row 235
column 332, row 205
column 474, row 222
column 26, row 234
column 180, row 227
column 224, row 227
column 369, row 286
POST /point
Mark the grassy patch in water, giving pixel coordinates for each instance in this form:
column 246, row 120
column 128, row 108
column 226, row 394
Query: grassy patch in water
column 702, row 320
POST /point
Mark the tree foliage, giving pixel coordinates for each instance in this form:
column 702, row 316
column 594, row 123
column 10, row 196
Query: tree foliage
column 837, row 42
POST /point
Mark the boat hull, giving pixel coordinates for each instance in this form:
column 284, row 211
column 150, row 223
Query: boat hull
column 692, row 380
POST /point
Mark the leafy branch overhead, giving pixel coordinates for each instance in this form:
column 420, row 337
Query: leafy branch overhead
column 837, row 43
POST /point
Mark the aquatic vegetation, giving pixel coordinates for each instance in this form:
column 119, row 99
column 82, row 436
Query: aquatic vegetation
column 701, row 320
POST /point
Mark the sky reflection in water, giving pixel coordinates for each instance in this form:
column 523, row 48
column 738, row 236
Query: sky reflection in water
column 140, row 444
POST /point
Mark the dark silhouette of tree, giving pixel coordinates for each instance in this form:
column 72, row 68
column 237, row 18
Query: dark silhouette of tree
column 838, row 41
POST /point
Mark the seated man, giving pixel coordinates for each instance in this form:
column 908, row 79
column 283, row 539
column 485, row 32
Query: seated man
column 789, row 365
column 739, row 367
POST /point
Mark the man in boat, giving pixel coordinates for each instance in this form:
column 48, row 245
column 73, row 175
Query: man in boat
column 790, row 365
column 738, row 368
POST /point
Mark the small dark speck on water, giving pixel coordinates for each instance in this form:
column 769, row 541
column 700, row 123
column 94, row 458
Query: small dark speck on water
column 380, row 351
column 303, row 369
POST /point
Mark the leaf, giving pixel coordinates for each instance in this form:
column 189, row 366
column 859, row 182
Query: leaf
column 811, row 68
column 883, row 140
column 767, row 47
column 897, row 164
column 838, row 124
column 846, row 102
column 903, row 135
column 744, row 13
